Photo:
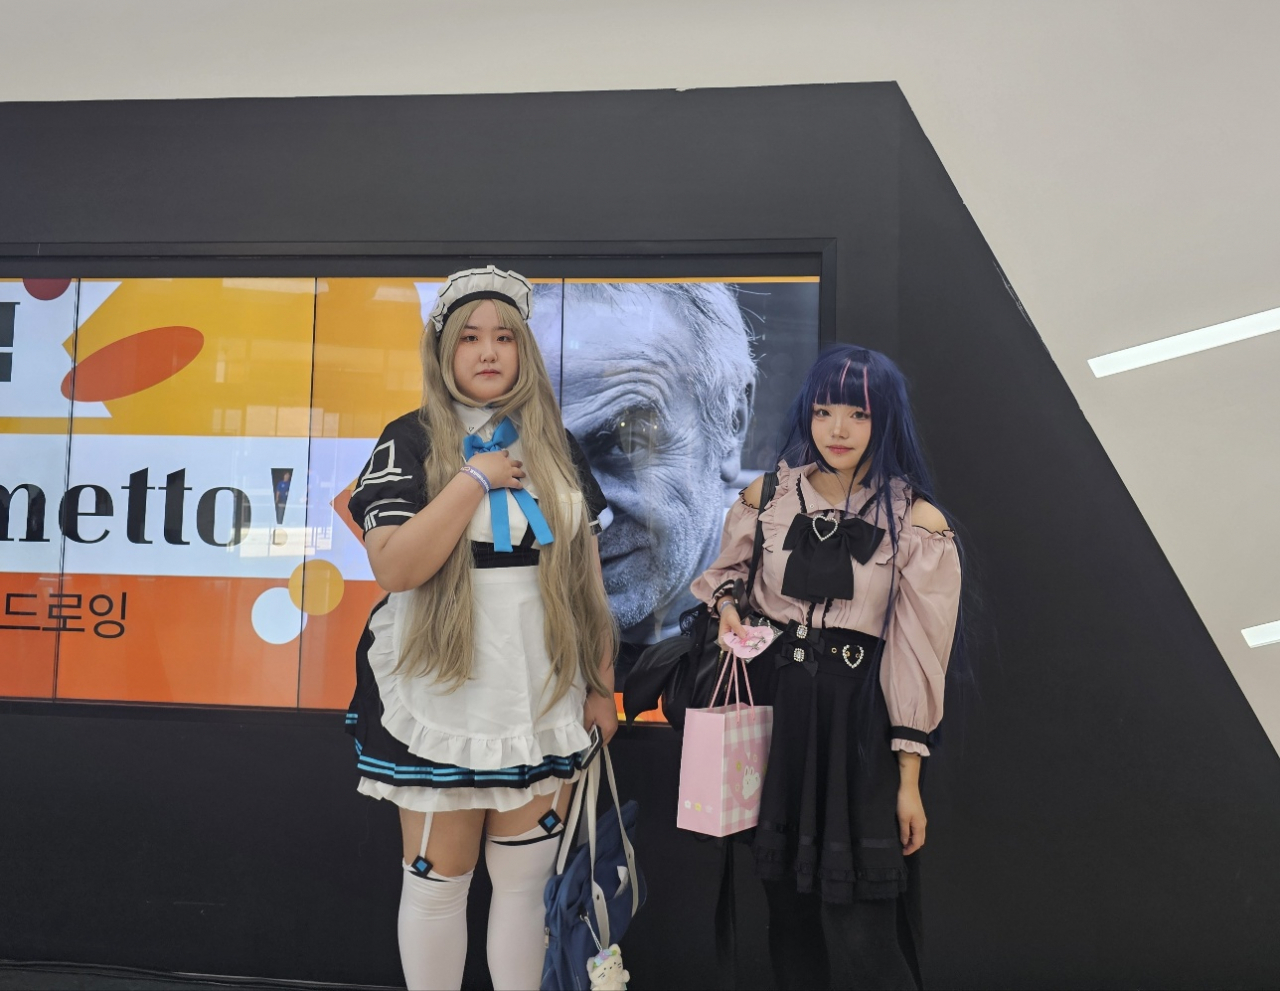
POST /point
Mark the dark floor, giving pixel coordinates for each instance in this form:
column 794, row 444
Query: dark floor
column 71, row 977
column 43, row 980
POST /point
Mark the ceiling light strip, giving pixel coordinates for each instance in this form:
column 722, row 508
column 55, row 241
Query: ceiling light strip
column 1179, row 345
column 1259, row 636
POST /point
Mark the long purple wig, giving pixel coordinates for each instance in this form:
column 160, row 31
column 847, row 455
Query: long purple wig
column 853, row 376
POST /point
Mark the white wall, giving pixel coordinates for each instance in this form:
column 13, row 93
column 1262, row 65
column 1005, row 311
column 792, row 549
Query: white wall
column 1121, row 158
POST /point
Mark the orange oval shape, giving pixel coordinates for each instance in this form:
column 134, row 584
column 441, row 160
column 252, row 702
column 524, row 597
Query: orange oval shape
column 46, row 289
column 132, row 364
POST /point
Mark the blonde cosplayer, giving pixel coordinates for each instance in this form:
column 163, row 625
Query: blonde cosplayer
column 579, row 628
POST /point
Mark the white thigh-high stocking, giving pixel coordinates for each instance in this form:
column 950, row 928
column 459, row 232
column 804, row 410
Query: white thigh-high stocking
column 433, row 925
column 519, row 867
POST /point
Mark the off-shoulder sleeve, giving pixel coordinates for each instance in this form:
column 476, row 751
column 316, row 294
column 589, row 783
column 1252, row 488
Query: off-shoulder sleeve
column 392, row 488
column 920, row 635
column 734, row 561
column 592, row 494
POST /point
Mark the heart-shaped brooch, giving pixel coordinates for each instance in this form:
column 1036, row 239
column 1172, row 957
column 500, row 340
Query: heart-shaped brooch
column 835, row 525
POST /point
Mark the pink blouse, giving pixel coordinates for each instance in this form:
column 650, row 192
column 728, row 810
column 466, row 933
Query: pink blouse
column 927, row 593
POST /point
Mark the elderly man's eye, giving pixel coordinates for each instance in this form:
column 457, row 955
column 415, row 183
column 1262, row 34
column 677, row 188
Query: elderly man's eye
column 637, row 432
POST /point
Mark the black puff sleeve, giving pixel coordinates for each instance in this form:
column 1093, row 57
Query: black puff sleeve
column 591, row 492
column 392, row 487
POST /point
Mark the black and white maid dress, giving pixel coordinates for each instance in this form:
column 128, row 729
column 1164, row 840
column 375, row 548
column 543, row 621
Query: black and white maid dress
column 492, row 743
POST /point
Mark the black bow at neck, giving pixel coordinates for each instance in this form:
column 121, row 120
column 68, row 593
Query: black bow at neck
column 822, row 556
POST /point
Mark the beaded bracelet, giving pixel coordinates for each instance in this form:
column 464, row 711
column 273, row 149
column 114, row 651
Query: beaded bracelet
column 478, row 475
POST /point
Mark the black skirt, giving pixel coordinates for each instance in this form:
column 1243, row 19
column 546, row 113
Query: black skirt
column 828, row 807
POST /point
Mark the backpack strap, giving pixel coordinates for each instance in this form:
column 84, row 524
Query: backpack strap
column 767, row 488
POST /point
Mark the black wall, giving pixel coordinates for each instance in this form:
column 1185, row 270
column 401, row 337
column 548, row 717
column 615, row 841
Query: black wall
column 1103, row 805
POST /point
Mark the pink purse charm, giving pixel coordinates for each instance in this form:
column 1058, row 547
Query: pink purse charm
column 757, row 639
column 722, row 762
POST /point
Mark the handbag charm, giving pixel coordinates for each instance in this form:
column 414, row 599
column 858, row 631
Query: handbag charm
column 605, row 970
column 755, row 642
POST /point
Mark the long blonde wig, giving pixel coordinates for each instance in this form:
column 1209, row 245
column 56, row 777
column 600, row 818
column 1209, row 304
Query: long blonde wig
column 579, row 628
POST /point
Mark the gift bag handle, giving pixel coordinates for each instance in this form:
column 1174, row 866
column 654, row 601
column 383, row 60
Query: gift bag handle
column 732, row 660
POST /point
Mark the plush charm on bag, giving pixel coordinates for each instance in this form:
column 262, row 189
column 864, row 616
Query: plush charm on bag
column 606, row 972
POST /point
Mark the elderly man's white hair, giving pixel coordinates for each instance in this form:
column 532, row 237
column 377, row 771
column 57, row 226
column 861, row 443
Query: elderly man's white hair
column 719, row 351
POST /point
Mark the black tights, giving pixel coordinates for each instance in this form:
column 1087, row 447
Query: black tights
column 817, row 944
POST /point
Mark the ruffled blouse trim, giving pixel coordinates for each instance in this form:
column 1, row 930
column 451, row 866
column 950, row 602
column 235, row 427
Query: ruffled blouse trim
column 925, row 533
column 925, row 547
column 460, row 750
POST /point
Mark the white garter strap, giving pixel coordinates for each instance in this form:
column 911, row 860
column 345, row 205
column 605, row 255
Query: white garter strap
column 421, row 865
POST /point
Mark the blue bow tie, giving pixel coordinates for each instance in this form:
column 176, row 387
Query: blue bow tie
column 504, row 435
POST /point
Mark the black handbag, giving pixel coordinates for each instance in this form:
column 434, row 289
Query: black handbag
column 681, row 670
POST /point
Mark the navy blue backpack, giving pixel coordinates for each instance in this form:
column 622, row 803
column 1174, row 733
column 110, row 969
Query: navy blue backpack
column 596, row 889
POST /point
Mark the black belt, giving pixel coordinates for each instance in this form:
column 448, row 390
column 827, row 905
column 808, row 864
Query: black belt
column 798, row 643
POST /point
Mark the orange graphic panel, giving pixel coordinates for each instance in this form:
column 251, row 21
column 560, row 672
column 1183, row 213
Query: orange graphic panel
column 367, row 369
column 29, row 623
column 367, row 373
column 329, row 649
column 187, row 490
column 198, row 357
column 172, row 639
column 36, row 316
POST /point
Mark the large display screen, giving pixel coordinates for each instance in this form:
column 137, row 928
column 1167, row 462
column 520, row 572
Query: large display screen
column 176, row 457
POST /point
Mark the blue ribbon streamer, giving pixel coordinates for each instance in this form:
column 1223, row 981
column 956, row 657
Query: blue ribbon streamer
column 504, row 435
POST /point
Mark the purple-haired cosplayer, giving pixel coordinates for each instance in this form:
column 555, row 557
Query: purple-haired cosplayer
column 860, row 577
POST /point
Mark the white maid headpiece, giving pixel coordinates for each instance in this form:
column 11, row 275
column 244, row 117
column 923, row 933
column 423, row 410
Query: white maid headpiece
column 481, row 283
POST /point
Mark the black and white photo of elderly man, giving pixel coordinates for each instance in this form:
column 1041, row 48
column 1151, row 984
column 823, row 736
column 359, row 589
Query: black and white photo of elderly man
column 657, row 383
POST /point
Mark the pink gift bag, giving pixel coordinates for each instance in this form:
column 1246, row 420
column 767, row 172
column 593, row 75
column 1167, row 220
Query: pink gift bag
column 723, row 759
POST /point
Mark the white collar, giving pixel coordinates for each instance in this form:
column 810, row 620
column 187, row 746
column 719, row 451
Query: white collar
column 475, row 418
